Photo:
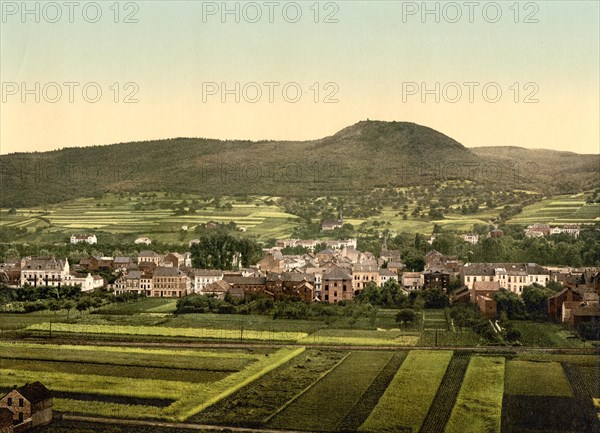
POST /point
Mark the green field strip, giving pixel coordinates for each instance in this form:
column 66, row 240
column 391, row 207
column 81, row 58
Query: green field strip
column 536, row 378
column 304, row 391
column 441, row 407
column 363, row 408
column 478, row 408
column 405, row 403
column 203, row 333
column 326, row 404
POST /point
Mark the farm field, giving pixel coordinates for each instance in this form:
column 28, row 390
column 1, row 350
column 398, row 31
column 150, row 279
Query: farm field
column 200, row 333
column 478, row 407
column 132, row 215
column 120, row 215
column 545, row 334
column 564, row 209
column 316, row 410
column 537, row 386
column 405, row 403
column 94, row 392
column 314, row 389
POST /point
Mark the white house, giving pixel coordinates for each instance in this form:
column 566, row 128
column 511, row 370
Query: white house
column 142, row 240
column 202, row 278
column 45, row 272
column 87, row 283
column 511, row 276
column 471, row 238
column 87, row 239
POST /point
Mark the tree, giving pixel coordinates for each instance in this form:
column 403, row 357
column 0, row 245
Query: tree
column 535, row 298
column 406, row 316
column 511, row 303
column 12, row 254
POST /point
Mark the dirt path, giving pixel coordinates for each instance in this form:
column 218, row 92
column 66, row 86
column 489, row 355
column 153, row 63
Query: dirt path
column 167, row 425
column 226, row 345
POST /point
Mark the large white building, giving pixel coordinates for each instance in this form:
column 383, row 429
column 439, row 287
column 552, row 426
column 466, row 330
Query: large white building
column 86, row 239
column 45, row 272
column 201, row 278
column 511, row 276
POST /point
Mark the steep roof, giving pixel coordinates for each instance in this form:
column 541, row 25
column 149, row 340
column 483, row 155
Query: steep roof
column 218, row 286
column 167, row 272
column 206, row 272
column 234, row 279
column 47, row 264
column 487, row 286
column 35, row 392
column 147, row 253
column 337, row 274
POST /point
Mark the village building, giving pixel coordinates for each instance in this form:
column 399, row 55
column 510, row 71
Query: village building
column 471, row 238
column 6, row 421
column 412, row 281
column 363, row 275
column 148, row 256
column 87, row 282
column 511, row 276
column 170, row 282
column 386, row 275
column 202, row 278
column 83, row 239
column 177, row 260
column 44, row 272
column 218, row 289
column 143, row 240
column 436, row 279
column 329, row 225
column 246, row 284
column 567, row 295
column 30, row 404
column 272, row 262
column 291, row 285
column 395, row 266
column 96, row 263
column 121, row 263
column 336, row 286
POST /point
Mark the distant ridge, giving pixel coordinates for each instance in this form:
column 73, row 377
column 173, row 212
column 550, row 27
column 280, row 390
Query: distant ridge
column 356, row 159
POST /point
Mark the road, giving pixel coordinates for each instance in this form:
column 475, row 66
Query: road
column 174, row 425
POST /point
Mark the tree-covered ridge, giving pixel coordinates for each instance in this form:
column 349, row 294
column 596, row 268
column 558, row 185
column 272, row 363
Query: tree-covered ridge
column 357, row 159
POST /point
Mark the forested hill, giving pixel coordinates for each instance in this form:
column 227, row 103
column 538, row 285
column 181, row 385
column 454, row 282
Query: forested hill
column 357, row 159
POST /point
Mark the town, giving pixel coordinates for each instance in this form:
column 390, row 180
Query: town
column 330, row 271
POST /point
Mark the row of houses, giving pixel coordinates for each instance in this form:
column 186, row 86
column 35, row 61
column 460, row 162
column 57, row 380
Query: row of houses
column 541, row 230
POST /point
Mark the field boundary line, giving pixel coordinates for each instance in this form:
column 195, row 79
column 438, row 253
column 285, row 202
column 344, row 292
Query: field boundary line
column 174, row 425
column 305, row 390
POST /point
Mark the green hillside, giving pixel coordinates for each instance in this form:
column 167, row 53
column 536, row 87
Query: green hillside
column 357, row 159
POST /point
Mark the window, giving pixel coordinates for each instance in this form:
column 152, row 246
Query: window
column 21, row 416
column 21, row 402
column 9, row 401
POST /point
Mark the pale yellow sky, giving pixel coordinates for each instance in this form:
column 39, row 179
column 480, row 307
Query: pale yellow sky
column 372, row 55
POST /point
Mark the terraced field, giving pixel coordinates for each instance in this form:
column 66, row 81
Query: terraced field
column 566, row 209
column 119, row 215
column 316, row 389
column 104, row 378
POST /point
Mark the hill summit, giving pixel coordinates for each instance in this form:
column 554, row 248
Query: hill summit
column 354, row 160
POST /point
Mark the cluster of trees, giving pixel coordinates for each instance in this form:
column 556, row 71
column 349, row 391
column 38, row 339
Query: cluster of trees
column 28, row 298
column 391, row 295
column 220, row 250
column 532, row 304
column 285, row 309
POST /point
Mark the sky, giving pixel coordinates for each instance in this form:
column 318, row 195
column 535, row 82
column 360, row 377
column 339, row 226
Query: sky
column 501, row 73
